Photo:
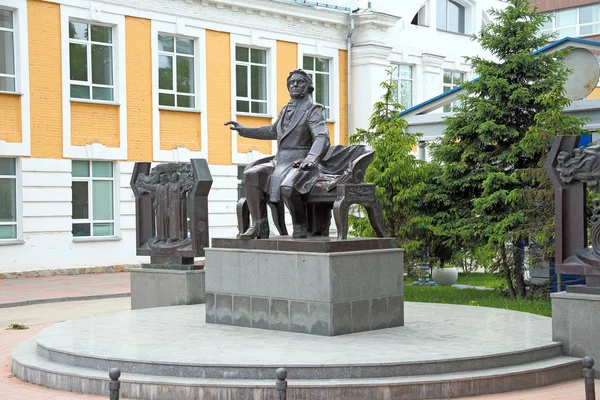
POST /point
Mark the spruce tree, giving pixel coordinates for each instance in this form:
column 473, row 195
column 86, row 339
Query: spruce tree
column 491, row 190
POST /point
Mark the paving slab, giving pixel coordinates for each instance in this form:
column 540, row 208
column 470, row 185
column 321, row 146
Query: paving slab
column 52, row 289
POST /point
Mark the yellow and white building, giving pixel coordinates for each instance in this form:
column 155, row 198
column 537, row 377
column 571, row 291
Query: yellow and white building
column 87, row 88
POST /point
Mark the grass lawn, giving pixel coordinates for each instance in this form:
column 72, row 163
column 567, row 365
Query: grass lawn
column 486, row 279
column 474, row 297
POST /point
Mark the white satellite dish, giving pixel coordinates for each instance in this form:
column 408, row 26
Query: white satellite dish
column 586, row 71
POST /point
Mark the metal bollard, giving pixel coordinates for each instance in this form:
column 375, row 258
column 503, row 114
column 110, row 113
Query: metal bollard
column 281, row 384
column 114, row 385
column 588, row 378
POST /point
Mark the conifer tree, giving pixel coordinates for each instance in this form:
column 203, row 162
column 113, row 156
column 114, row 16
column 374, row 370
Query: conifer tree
column 397, row 174
column 491, row 190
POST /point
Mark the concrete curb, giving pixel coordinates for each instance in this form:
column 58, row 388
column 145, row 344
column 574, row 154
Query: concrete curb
column 63, row 299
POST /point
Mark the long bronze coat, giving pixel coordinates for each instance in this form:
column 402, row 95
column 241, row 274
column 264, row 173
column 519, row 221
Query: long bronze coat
column 301, row 134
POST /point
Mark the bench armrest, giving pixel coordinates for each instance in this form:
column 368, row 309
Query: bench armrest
column 360, row 165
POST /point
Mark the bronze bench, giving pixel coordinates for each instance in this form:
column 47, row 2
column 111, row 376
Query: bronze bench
column 336, row 195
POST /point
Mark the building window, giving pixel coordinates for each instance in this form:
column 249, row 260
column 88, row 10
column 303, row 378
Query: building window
column 251, row 80
column 589, row 19
column 176, row 72
column 318, row 69
column 579, row 21
column 451, row 80
column 451, row 16
column 93, row 199
column 420, row 18
column 91, row 61
column 8, row 78
column 8, row 198
column 403, row 80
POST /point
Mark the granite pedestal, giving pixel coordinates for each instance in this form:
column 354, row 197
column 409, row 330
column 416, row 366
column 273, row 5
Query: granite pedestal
column 318, row 286
column 576, row 324
column 152, row 286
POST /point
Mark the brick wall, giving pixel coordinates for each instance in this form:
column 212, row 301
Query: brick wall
column 45, row 79
column 10, row 110
column 179, row 129
column 218, row 92
column 549, row 5
column 139, row 89
column 95, row 123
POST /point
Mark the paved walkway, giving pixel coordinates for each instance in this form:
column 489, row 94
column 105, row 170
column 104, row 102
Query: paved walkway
column 66, row 288
column 49, row 289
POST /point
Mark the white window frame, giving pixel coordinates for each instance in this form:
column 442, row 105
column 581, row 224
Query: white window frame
column 254, row 40
column 398, row 80
column 21, row 59
column 183, row 28
column 452, row 85
column 422, row 16
column 115, row 202
column 468, row 17
column 103, row 15
column 174, row 54
column 18, row 221
column 88, row 43
column 322, row 50
column 249, row 65
column 577, row 25
column 313, row 72
column 13, row 30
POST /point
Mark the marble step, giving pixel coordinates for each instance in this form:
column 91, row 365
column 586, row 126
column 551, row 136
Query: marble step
column 305, row 371
column 29, row 366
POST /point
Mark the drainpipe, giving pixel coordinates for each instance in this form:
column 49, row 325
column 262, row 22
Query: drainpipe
column 421, row 155
column 349, row 56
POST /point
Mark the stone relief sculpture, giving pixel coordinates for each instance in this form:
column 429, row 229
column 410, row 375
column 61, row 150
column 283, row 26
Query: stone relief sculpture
column 168, row 184
column 571, row 170
column 176, row 209
column 582, row 164
column 158, row 192
column 171, row 202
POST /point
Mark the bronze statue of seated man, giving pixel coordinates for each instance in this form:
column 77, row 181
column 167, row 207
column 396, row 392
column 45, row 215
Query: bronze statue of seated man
column 304, row 157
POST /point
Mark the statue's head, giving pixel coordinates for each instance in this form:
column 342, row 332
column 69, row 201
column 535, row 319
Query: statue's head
column 163, row 178
column 174, row 177
column 299, row 84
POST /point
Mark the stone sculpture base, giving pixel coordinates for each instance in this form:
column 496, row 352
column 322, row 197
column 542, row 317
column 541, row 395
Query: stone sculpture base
column 576, row 324
column 318, row 286
column 152, row 286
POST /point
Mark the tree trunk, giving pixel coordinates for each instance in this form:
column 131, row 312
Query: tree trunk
column 518, row 268
column 506, row 272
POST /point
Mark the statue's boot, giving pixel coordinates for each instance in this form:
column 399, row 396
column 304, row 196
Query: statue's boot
column 300, row 231
column 293, row 201
column 259, row 230
column 257, row 205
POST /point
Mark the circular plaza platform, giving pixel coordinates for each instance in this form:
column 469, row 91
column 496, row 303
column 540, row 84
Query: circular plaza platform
column 443, row 351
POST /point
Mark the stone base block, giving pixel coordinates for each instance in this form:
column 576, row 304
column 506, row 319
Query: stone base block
column 316, row 293
column 583, row 289
column 166, row 287
column 576, row 324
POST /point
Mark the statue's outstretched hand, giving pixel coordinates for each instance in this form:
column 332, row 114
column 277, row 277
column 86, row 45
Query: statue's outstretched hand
column 235, row 126
column 303, row 164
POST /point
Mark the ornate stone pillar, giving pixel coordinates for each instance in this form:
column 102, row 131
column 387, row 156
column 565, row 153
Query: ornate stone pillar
column 371, row 46
column 432, row 75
